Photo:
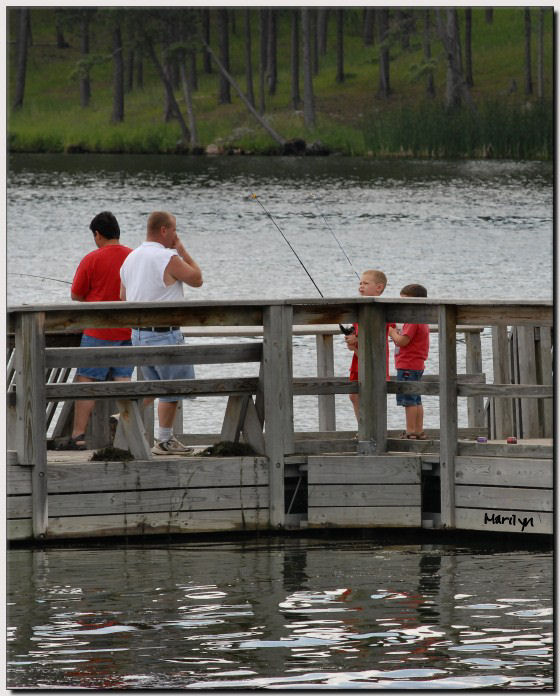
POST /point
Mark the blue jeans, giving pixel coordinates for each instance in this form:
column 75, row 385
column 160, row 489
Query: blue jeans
column 409, row 376
column 153, row 372
column 104, row 374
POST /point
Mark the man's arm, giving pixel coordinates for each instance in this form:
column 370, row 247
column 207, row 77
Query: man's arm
column 122, row 293
column 183, row 267
column 77, row 298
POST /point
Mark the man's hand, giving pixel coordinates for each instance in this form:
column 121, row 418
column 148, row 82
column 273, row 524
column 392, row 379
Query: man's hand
column 351, row 341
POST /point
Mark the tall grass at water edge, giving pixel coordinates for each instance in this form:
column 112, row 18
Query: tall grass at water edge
column 494, row 129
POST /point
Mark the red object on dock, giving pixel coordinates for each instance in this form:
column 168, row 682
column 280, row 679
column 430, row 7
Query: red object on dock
column 511, row 440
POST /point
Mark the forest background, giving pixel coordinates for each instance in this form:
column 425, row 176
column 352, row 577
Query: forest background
column 377, row 81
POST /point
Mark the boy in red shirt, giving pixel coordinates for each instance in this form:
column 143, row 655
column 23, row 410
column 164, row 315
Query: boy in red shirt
column 97, row 279
column 412, row 345
column 372, row 284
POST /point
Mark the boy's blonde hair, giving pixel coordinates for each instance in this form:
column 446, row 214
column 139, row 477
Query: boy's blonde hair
column 376, row 276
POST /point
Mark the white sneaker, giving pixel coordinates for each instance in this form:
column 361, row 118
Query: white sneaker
column 171, row 446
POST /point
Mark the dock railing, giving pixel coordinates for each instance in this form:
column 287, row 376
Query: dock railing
column 262, row 407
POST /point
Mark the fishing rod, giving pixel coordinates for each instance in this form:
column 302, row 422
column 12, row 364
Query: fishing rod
column 336, row 239
column 254, row 196
column 31, row 275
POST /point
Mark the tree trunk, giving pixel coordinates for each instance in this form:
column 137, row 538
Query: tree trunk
column 339, row 45
column 60, row 40
column 118, row 77
column 315, row 39
column 369, row 26
column 191, row 69
column 22, row 46
column 139, row 69
column 528, row 69
column 187, row 95
column 540, row 55
column 308, row 102
column 323, row 29
column 456, row 88
column 263, row 30
column 489, row 15
column 279, row 139
column 85, row 85
column 169, row 109
column 430, row 88
column 271, row 63
column 383, row 29
column 406, row 27
column 468, row 47
column 129, row 71
column 206, row 60
column 249, row 58
column 168, row 88
column 224, row 96
column 294, row 59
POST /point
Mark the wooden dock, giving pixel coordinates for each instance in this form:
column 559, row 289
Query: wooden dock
column 294, row 481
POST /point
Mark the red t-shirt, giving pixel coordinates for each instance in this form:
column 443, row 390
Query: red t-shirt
column 97, row 279
column 413, row 356
column 354, row 364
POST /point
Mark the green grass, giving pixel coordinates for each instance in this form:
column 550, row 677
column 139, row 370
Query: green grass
column 350, row 118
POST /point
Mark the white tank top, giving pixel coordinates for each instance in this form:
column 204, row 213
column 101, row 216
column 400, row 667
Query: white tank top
column 142, row 275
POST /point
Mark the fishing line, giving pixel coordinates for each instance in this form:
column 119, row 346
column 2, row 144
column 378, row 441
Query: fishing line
column 254, row 196
column 31, row 275
column 336, row 239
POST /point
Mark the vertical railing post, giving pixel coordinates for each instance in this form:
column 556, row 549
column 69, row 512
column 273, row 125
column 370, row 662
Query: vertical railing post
column 277, row 378
column 31, row 409
column 500, row 359
column 447, row 410
column 528, row 375
column 473, row 365
column 325, row 368
column 544, row 376
column 372, row 426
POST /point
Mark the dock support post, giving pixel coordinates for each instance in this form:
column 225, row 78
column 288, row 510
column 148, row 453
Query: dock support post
column 31, row 412
column 528, row 375
column 473, row 365
column 447, row 410
column 544, row 376
column 372, row 377
column 278, row 401
column 325, row 368
column 503, row 408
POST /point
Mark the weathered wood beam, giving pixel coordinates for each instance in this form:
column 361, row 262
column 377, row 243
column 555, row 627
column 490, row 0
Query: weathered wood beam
column 448, row 411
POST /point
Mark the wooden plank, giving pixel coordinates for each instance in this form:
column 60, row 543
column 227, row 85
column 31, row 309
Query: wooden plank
column 504, row 450
column 372, row 426
column 236, row 408
column 496, row 497
column 369, row 495
column 401, row 516
column 174, row 355
column 162, row 387
column 504, row 521
column 325, row 368
column 18, row 480
column 133, row 429
column 277, row 379
column 143, row 501
column 473, row 365
column 31, row 421
column 506, row 314
column 252, row 428
column 448, row 411
column 524, row 391
column 146, row 524
column 503, row 408
column 531, row 426
column 179, row 473
column 363, row 469
column 499, row 471
column 544, row 376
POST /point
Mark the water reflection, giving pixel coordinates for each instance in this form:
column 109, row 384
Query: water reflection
column 280, row 612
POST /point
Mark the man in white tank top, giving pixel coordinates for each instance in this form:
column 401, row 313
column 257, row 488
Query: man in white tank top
column 155, row 272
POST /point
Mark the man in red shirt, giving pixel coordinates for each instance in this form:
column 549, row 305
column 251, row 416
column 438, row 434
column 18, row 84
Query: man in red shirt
column 97, row 279
column 412, row 345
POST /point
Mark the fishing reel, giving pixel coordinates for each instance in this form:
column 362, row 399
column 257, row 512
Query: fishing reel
column 347, row 330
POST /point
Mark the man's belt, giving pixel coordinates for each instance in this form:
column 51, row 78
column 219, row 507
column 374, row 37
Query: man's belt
column 159, row 329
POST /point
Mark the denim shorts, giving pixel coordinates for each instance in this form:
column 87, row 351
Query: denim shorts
column 409, row 376
column 154, row 372
column 104, row 374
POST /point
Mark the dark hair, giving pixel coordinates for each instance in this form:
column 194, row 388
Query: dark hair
column 414, row 290
column 106, row 224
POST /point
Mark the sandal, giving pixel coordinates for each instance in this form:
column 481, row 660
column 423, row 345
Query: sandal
column 421, row 436
column 408, row 436
column 73, row 443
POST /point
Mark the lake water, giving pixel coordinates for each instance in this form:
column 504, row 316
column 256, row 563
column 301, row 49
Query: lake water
column 328, row 613
column 293, row 613
column 465, row 230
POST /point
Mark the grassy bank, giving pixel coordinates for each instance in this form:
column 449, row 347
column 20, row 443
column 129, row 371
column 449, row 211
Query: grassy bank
column 351, row 119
